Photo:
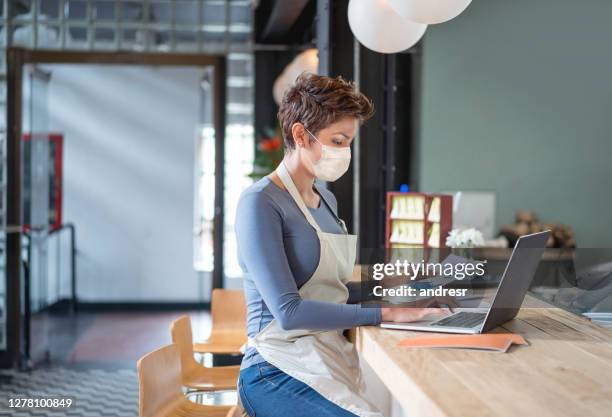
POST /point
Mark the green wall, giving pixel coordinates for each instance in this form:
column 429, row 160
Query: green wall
column 517, row 98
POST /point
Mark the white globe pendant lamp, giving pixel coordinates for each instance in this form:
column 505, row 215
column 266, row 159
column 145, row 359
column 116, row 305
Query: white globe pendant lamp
column 379, row 28
column 429, row 11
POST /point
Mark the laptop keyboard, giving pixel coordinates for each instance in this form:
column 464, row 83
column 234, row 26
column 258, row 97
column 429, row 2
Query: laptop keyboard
column 462, row 319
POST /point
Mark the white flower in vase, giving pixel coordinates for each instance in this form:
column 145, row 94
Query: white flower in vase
column 464, row 238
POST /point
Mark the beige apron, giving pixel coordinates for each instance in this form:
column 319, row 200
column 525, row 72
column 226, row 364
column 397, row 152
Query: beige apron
column 323, row 360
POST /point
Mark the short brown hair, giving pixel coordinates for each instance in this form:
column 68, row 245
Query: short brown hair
column 318, row 101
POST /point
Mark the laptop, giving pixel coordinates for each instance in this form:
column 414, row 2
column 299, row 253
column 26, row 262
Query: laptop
column 506, row 304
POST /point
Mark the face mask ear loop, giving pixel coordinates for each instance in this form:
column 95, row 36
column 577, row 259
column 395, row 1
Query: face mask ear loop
column 313, row 136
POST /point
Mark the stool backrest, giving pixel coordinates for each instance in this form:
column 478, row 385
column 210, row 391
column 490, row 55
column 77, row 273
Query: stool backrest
column 159, row 380
column 180, row 329
column 228, row 308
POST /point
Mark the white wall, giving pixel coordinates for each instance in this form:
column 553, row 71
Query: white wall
column 128, row 179
column 517, row 98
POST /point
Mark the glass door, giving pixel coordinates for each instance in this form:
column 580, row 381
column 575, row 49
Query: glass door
column 233, row 161
column 36, row 184
column 209, row 179
column 205, row 156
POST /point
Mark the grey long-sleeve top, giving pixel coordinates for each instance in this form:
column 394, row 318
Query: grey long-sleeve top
column 278, row 251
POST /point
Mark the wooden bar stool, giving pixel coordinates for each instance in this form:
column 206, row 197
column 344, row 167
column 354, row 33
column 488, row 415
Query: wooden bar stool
column 196, row 376
column 159, row 380
column 228, row 333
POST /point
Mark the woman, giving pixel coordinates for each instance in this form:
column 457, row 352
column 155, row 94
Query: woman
column 297, row 258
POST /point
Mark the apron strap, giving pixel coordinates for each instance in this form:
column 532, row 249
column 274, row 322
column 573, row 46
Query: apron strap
column 331, row 210
column 285, row 178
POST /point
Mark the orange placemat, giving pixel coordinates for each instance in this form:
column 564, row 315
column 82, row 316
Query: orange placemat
column 491, row 341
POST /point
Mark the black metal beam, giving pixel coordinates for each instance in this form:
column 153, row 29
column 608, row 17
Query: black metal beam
column 219, row 124
column 13, row 209
column 407, row 108
column 324, row 34
column 335, row 44
column 388, row 140
column 373, row 135
column 389, row 127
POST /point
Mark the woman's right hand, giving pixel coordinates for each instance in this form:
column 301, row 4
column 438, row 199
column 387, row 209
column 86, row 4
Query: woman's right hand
column 408, row 314
column 420, row 309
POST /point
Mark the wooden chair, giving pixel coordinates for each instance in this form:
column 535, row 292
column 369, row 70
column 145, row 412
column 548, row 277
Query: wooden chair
column 228, row 333
column 159, row 379
column 196, row 376
column 234, row 412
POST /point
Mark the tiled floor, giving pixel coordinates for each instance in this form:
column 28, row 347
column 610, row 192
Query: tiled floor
column 95, row 393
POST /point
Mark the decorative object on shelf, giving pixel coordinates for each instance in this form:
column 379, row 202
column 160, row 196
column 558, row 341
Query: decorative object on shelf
column 418, row 220
column 463, row 241
column 379, row 28
column 268, row 154
column 527, row 222
column 307, row 61
column 429, row 11
column 465, row 238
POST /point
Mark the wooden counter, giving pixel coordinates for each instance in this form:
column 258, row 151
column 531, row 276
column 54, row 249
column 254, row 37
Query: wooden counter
column 566, row 370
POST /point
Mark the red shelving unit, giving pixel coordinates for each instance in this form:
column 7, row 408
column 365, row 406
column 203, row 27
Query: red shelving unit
column 418, row 220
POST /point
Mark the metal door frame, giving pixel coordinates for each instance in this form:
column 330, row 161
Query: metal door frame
column 16, row 59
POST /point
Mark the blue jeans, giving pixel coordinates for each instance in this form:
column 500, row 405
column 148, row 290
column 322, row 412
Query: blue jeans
column 266, row 391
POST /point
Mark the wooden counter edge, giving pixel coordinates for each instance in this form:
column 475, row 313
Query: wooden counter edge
column 392, row 376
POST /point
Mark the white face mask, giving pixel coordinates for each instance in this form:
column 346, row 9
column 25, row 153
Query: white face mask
column 334, row 162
